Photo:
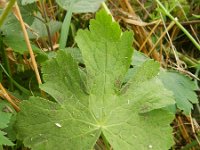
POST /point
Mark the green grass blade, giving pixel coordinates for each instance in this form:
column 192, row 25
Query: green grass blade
column 65, row 28
column 6, row 11
column 25, row 91
column 197, row 45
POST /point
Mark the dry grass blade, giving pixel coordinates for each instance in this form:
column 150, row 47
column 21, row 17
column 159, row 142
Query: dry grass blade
column 161, row 37
column 139, row 23
column 18, row 13
column 141, row 33
column 8, row 98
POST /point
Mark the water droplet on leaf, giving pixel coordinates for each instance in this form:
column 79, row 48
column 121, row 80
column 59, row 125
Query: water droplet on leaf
column 58, row 125
column 150, row 146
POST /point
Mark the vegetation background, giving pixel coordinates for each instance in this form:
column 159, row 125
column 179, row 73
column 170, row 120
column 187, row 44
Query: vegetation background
column 168, row 31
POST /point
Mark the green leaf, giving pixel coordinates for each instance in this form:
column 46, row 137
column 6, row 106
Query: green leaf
column 76, row 54
column 129, row 116
column 138, row 58
column 10, row 131
column 11, row 27
column 28, row 12
column 182, row 88
column 25, row 2
column 40, row 29
column 80, row 6
column 4, row 140
column 4, row 120
column 19, row 45
column 5, row 117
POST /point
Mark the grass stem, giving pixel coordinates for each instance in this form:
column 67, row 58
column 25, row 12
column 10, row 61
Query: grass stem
column 6, row 11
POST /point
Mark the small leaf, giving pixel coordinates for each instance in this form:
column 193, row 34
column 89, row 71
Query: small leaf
column 182, row 88
column 12, row 27
column 130, row 116
column 40, row 29
column 4, row 140
column 19, row 45
column 28, row 12
column 4, row 117
column 4, row 120
column 80, row 6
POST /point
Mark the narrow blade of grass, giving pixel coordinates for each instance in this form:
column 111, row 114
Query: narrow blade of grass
column 65, row 28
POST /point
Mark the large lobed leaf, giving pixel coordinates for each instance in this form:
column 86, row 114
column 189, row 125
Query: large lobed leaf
column 130, row 116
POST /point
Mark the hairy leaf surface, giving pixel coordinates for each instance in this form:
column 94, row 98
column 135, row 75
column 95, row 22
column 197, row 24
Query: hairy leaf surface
column 130, row 116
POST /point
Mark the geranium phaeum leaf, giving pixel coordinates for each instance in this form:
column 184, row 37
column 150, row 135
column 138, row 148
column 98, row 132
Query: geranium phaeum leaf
column 130, row 116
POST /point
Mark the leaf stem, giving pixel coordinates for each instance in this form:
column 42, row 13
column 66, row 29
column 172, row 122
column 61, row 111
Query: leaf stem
column 197, row 45
column 6, row 11
column 65, row 28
